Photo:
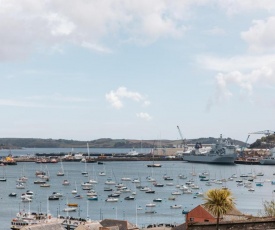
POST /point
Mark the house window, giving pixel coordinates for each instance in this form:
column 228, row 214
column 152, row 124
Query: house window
column 191, row 219
column 206, row 220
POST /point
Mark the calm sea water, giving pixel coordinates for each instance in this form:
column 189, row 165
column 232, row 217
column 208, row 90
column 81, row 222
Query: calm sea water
column 247, row 202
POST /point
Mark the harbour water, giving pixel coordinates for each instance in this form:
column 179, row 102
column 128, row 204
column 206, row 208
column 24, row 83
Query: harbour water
column 134, row 211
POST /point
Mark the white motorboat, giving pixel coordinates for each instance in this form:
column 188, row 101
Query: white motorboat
column 150, row 205
column 111, row 199
column 70, row 209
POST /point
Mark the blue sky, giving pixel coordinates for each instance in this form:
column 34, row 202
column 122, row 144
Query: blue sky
column 136, row 69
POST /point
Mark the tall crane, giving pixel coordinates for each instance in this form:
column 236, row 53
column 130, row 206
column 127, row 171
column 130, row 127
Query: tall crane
column 183, row 140
column 242, row 149
column 265, row 132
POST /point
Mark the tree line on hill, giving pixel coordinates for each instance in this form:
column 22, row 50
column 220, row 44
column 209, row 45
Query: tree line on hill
column 11, row 143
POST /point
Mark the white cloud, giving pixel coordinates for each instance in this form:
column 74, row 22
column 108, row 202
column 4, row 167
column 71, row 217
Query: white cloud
column 26, row 25
column 245, row 83
column 237, row 7
column 144, row 116
column 116, row 97
column 261, row 36
column 242, row 63
column 239, row 75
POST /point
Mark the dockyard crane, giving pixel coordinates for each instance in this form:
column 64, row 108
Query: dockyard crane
column 265, row 132
column 183, row 140
column 242, row 149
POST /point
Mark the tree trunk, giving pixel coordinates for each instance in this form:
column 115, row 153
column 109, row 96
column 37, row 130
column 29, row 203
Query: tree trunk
column 218, row 221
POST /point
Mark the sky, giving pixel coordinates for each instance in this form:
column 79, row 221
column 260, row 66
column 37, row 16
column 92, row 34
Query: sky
column 137, row 69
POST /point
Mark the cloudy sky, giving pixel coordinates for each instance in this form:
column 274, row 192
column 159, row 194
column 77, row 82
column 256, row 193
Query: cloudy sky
column 85, row 70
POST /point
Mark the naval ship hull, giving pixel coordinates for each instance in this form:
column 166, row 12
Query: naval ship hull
column 211, row 159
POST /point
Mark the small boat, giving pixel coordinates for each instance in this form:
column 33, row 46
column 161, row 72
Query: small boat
column 171, row 198
column 57, row 194
column 92, row 198
column 69, row 209
column 114, row 195
column 150, row 191
column 136, row 180
column 185, row 212
column 112, row 199
column 175, row 206
column 158, row 185
column 259, row 184
column 53, row 197
column 108, row 189
column 60, row 173
column 154, row 165
column 26, row 195
column 78, row 197
column 157, row 200
column 45, row 185
column 139, row 208
column 39, row 182
column 150, row 211
column 74, row 191
column 3, row 179
column 110, row 182
column 176, row 193
column 26, row 199
column 100, row 163
column 66, row 182
column 91, row 193
column 20, row 186
column 150, row 205
column 72, row 204
column 129, row 198
column 12, row 194
column 125, row 179
column 29, row 192
column 102, row 174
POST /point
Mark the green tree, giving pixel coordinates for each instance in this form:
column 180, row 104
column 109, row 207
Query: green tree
column 219, row 202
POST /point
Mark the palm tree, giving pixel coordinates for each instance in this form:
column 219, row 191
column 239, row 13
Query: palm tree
column 219, row 202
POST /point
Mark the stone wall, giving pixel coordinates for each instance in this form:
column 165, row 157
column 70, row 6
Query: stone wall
column 248, row 225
